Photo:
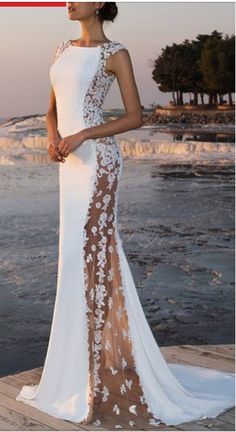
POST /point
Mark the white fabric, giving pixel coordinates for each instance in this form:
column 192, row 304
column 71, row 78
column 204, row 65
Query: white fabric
column 175, row 393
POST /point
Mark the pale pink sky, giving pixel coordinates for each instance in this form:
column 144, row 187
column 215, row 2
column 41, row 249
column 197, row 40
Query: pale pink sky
column 29, row 36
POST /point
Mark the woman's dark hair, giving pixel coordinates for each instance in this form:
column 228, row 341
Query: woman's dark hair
column 108, row 12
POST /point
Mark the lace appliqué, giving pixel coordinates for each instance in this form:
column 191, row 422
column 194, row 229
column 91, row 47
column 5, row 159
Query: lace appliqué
column 100, row 86
column 115, row 391
column 59, row 49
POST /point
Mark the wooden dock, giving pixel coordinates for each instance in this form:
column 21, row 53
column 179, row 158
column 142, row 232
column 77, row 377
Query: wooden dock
column 15, row 415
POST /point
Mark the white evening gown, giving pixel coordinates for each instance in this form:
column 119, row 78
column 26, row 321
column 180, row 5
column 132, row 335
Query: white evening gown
column 103, row 362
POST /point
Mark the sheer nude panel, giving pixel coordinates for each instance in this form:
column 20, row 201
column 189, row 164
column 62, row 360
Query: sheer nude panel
column 115, row 390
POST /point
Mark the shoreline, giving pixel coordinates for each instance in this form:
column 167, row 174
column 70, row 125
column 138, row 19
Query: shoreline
column 190, row 118
column 189, row 121
column 228, row 129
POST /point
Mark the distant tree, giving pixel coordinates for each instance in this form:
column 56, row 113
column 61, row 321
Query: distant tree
column 199, row 44
column 176, row 70
column 167, row 70
column 218, row 67
column 202, row 66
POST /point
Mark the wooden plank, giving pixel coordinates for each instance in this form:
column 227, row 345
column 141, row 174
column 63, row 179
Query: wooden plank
column 17, row 421
column 216, row 425
column 35, row 414
column 9, row 392
column 209, row 359
column 33, row 374
column 228, row 416
column 4, row 426
column 226, row 349
column 16, row 415
column 197, row 359
column 171, row 357
column 28, row 376
column 14, row 380
column 205, row 352
column 34, row 378
column 169, row 428
column 192, row 426
column 36, row 371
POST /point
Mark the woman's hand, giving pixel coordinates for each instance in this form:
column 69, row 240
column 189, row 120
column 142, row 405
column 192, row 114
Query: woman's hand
column 52, row 148
column 70, row 143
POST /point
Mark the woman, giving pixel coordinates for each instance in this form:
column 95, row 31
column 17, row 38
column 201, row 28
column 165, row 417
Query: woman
column 103, row 364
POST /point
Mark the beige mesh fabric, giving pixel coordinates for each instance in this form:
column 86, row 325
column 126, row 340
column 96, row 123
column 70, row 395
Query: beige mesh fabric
column 115, row 391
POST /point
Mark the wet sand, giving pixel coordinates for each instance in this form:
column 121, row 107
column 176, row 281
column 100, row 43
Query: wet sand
column 177, row 227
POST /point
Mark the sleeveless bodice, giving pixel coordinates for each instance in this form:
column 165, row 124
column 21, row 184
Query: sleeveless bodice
column 81, row 83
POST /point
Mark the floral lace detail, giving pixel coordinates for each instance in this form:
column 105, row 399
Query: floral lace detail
column 100, row 85
column 115, row 390
column 61, row 46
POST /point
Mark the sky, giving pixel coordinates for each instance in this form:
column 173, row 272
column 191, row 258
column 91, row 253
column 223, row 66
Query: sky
column 29, row 36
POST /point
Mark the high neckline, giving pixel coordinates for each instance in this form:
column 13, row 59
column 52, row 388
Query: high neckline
column 88, row 47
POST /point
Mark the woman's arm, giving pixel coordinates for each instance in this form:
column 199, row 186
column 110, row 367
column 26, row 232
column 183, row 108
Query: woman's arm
column 53, row 135
column 120, row 64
